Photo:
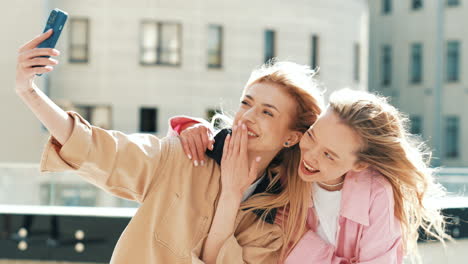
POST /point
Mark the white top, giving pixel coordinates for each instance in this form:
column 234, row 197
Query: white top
column 327, row 207
column 251, row 188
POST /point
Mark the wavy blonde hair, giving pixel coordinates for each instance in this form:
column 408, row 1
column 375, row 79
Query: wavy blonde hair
column 400, row 157
column 297, row 81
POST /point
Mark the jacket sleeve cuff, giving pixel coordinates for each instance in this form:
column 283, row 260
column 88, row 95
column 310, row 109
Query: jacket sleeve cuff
column 72, row 154
column 177, row 122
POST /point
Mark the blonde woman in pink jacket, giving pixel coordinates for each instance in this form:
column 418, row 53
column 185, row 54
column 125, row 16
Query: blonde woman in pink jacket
column 370, row 183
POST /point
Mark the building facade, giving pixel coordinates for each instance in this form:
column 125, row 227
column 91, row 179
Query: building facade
column 130, row 65
column 418, row 56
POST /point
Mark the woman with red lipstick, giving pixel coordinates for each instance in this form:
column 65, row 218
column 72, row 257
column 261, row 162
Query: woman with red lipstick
column 370, row 184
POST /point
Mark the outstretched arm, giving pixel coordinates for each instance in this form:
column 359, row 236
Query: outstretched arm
column 57, row 121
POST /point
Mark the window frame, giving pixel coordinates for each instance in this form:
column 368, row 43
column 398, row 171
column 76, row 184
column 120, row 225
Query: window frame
column 72, row 46
column 416, row 8
column 220, row 50
column 386, row 65
column 141, row 121
column 452, row 135
column 449, row 78
column 387, row 7
column 412, row 76
column 266, row 54
column 158, row 49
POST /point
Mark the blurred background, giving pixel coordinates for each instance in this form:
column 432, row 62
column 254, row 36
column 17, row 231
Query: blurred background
column 130, row 65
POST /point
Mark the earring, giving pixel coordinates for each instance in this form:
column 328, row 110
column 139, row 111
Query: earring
column 286, row 144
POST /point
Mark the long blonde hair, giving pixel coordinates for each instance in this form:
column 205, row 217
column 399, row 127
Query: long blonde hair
column 298, row 82
column 400, row 157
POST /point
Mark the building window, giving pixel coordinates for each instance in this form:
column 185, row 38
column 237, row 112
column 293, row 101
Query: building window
column 269, row 44
column 160, row 43
column 416, row 125
column 416, row 4
column 148, row 120
column 416, row 63
column 215, row 46
column 314, row 58
column 386, row 65
column 357, row 62
column 453, row 61
column 386, row 6
column 452, row 133
column 453, row 2
column 79, row 40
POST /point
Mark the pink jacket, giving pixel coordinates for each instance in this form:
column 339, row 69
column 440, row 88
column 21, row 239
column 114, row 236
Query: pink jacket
column 368, row 231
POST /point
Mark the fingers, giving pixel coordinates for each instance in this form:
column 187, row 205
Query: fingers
column 226, row 149
column 193, row 150
column 37, row 52
column 30, row 58
column 232, row 140
column 235, row 141
column 211, row 140
column 186, row 147
column 205, row 140
column 37, row 70
column 200, row 149
column 36, row 41
column 39, row 61
column 208, row 138
column 238, row 138
column 243, row 140
column 253, row 172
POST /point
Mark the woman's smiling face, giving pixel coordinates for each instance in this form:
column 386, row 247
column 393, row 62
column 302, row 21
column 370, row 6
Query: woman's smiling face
column 328, row 150
column 267, row 111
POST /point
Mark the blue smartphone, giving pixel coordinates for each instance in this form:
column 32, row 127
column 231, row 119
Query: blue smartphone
column 56, row 21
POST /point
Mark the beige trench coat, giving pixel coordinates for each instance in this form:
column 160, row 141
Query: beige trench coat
column 177, row 200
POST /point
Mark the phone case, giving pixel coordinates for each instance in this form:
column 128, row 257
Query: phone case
column 56, row 21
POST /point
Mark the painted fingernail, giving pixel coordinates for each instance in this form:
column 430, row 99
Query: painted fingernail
column 189, row 156
column 212, row 147
column 196, row 163
column 202, row 163
column 243, row 126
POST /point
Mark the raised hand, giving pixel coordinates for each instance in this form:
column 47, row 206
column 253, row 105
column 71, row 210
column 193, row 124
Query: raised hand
column 29, row 56
column 236, row 175
column 196, row 139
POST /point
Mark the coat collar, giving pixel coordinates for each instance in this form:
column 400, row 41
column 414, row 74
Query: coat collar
column 356, row 195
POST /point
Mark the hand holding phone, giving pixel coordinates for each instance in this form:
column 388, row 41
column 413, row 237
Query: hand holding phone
column 30, row 56
column 56, row 22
